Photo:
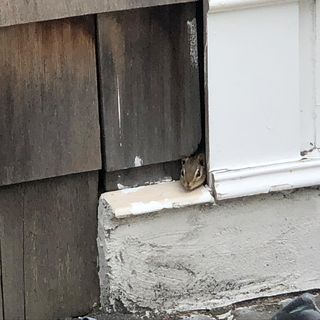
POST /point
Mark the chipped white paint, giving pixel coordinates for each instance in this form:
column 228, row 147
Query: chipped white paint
column 147, row 199
column 121, row 186
column 193, row 259
column 193, row 41
column 228, row 5
column 264, row 179
column 138, row 162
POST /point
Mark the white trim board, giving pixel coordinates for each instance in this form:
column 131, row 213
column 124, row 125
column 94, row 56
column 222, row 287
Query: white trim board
column 228, row 5
column 265, row 179
column 153, row 198
column 317, row 85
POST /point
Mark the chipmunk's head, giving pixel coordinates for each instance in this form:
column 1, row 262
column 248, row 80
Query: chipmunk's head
column 193, row 172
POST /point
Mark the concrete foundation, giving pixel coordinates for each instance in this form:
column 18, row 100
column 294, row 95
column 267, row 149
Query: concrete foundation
column 210, row 256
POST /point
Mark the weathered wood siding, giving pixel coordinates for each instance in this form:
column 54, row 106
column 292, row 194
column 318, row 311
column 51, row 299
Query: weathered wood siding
column 1, row 291
column 133, row 177
column 20, row 11
column 48, row 247
column 11, row 240
column 147, row 78
column 49, row 120
column 149, row 85
column 61, row 275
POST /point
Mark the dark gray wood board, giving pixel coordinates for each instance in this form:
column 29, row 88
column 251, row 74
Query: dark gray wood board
column 20, row 11
column 145, row 175
column 49, row 118
column 1, row 291
column 61, row 275
column 48, row 233
column 11, row 239
column 150, row 97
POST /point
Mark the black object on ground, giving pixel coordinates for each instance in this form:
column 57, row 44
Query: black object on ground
column 301, row 308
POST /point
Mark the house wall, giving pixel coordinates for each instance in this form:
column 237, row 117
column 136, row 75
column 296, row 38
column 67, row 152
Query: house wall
column 206, row 257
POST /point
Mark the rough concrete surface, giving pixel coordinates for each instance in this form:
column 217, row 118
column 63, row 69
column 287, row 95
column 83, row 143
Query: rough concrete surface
column 261, row 309
column 202, row 258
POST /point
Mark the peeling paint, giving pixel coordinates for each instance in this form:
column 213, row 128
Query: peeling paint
column 138, row 162
column 122, row 187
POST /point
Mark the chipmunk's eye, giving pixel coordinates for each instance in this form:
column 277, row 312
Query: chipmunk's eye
column 198, row 174
column 182, row 173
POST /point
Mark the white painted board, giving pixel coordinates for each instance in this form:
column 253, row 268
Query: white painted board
column 253, row 83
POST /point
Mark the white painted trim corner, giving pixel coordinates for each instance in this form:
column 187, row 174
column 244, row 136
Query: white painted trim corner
column 229, row 5
column 317, row 58
column 264, row 179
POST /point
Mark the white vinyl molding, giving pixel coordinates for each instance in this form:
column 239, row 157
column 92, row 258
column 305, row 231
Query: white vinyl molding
column 264, row 179
column 229, row 5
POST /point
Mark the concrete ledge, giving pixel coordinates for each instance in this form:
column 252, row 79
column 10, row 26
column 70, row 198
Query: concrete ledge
column 147, row 199
column 207, row 257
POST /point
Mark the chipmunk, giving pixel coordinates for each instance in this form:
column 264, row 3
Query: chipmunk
column 193, row 172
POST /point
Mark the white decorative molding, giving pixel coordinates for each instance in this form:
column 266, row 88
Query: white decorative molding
column 265, row 179
column 318, row 53
column 228, row 5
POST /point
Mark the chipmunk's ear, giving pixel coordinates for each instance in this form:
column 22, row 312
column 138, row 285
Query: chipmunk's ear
column 183, row 161
column 201, row 159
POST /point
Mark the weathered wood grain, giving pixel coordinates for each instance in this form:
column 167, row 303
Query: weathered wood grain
column 61, row 276
column 20, row 11
column 49, row 123
column 11, row 239
column 149, row 85
column 134, row 177
column 1, row 289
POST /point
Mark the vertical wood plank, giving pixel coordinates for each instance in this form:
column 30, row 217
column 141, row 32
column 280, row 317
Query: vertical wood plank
column 49, row 121
column 1, row 289
column 11, row 238
column 149, row 85
column 61, row 276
